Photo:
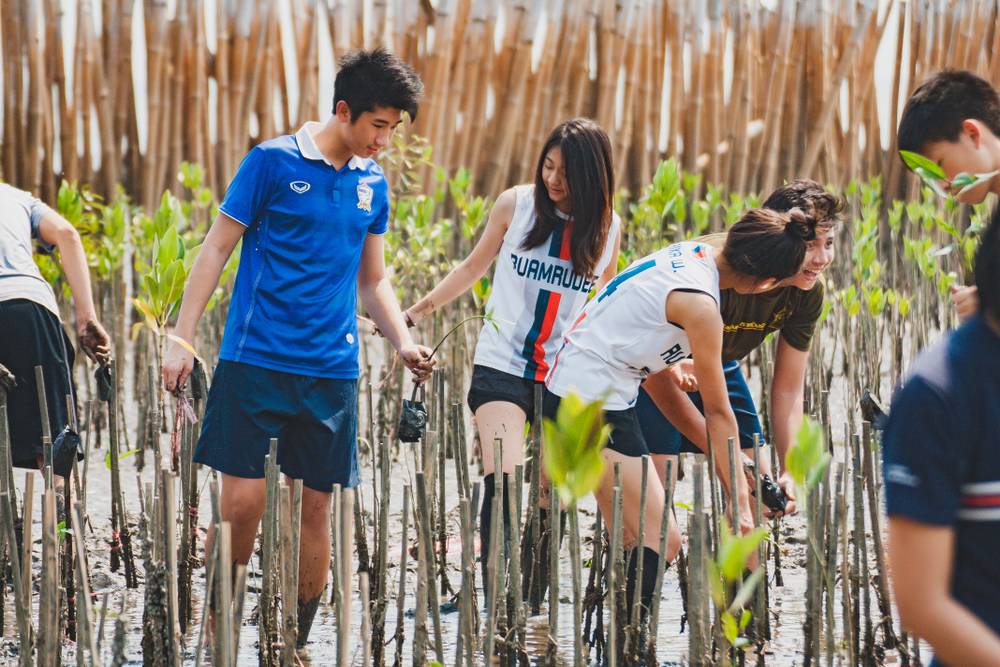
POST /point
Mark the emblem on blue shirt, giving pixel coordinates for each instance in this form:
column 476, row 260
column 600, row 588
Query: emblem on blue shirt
column 365, row 193
column 299, row 186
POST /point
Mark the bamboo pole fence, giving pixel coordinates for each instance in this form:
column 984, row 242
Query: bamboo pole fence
column 745, row 93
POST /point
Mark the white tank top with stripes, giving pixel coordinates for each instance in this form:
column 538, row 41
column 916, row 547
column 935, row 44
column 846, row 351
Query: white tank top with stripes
column 623, row 334
column 535, row 294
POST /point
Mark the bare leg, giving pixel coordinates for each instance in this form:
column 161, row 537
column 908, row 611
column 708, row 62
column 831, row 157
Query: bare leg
column 314, row 556
column 499, row 419
column 241, row 504
column 506, row 421
column 631, row 481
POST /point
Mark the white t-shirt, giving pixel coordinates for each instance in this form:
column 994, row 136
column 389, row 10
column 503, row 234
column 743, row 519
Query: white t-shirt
column 535, row 294
column 623, row 334
column 20, row 215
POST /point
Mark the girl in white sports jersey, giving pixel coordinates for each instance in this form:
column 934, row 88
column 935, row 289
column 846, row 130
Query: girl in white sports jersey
column 556, row 240
column 656, row 312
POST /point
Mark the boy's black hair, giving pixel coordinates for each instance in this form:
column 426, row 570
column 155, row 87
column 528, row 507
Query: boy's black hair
column 936, row 109
column 809, row 196
column 988, row 268
column 376, row 78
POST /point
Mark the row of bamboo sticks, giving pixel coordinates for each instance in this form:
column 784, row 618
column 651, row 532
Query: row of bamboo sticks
column 747, row 93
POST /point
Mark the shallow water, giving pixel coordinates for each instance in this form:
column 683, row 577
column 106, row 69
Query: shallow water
column 787, row 602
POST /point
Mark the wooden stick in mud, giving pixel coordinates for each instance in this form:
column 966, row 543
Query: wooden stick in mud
column 27, row 512
column 43, row 410
column 615, row 547
column 432, row 593
column 22, row 602
column 121, row 533
column 238, row 595
column 516, row 606
column 401, row 590
column 533, row 522
column 760, row 620
column 632, row 648
column 698, row 631
column 168, row 517
column 345, row 561
column 289, row 593
column 882, row 574
column 223, row 617
column 832, row 548
column 49, row 625
column 654, row 612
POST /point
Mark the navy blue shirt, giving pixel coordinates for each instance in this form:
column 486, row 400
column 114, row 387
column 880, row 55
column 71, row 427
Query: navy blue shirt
column 294, row 302
column 942, row 457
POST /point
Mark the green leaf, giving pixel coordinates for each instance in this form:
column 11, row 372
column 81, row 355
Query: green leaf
column 735, row 551
column 916, row 161
column 107, row 457
column 806, row 461
column 746, row 590
column 147, row 312
column 974, row 180
column 745, row 619
column 729, row 628
column 572, row 447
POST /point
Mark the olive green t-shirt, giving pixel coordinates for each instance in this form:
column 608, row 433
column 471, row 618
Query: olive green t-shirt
column 748, row 318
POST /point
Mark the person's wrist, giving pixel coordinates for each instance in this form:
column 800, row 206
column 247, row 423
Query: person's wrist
column 85, row 316
column 408, row 318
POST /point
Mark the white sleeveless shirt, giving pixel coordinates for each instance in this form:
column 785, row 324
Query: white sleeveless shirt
column 535, row 294
column 623, row 334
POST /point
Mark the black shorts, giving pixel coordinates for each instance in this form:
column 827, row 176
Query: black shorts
column 31, row 335
column 626, row 435
column 489, row 384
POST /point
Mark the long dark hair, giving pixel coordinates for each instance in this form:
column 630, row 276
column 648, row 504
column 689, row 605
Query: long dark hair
column 590, row 176
column 769, row 244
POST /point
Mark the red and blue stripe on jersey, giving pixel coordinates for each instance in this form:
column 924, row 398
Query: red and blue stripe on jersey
column 546, row 310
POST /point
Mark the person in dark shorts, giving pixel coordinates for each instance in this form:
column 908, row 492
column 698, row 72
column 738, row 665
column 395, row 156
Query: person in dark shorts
column 554, row 240
column 30, row 331
column 661, row 309
column 672, row 422
column 941, row 458
column 311, row 209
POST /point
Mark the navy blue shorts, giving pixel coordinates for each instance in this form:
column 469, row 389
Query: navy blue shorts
column 661, row 436
column 315, row 420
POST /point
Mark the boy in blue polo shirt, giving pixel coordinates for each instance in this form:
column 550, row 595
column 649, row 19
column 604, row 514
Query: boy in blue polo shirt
column 311, row 209
column 942, row 481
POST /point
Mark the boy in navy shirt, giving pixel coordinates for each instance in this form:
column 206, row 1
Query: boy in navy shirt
column 311, row 209
column 942, row 480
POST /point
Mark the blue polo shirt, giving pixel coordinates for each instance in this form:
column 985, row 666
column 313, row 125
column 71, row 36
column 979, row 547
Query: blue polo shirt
column 941, row 452
column 294, row 302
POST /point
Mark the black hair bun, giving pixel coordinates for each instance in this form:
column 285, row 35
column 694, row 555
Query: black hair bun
column 800, row 225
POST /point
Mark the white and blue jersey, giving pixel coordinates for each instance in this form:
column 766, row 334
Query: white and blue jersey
column 623, row 334
column 536, row 293
column 941, row 456
column 294, row 302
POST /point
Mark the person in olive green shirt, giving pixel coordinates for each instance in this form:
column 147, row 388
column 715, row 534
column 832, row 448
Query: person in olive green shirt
column 669, row 407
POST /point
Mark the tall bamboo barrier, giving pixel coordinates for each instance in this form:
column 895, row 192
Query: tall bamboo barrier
column 745, row 94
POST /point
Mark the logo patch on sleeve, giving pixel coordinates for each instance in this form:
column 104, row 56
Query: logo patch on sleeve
column 365, row 193
column 299, row 186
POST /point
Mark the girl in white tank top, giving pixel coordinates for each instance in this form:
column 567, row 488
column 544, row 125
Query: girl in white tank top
column 555, row 242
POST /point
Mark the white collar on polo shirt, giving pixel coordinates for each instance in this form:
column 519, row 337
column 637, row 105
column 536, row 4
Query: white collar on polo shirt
column 310, row 151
